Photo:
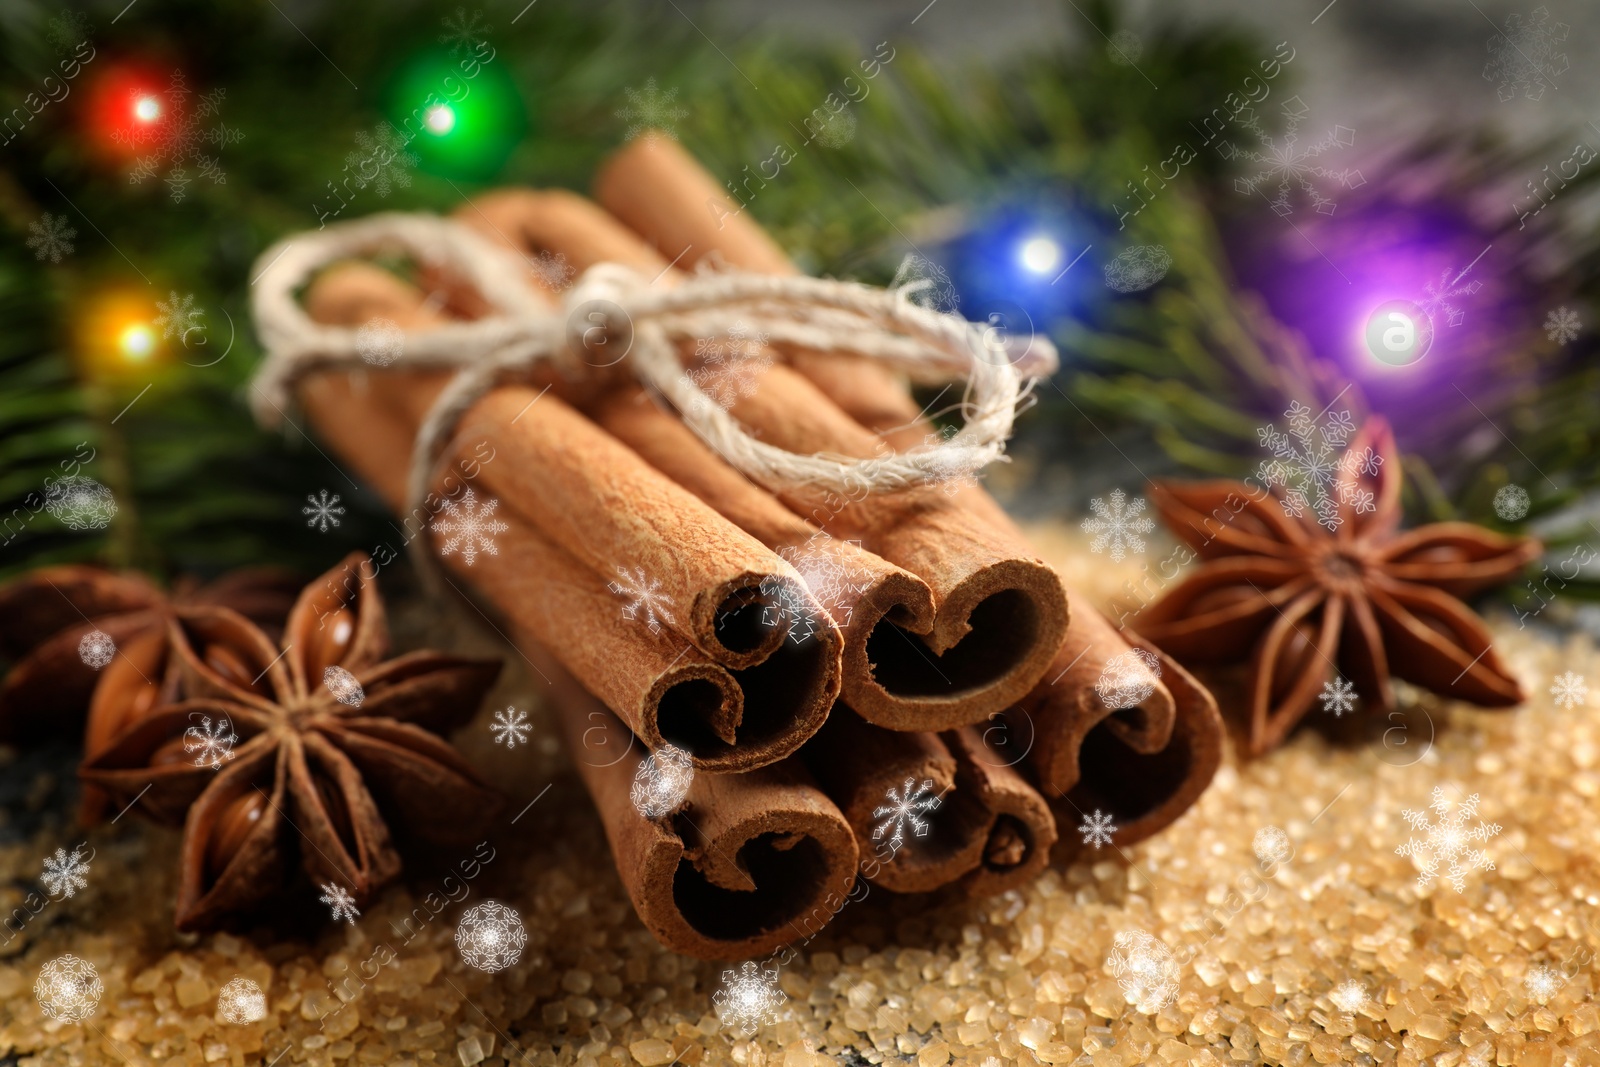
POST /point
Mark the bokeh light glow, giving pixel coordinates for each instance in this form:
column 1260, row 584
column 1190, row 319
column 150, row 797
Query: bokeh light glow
column 441, row 119
column 1398, row 333
column 1040, row 254
column 146, row 108
column 136, row 342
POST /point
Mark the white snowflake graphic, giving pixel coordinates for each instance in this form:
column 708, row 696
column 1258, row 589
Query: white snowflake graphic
column 902, row 808
column 926, row 284
column 552, row 270
column 729, row 366
column 832, row 582
column 1511, row 502
column 51, row 237
column 1569, row 691
column 510, row 727
column 323, row 509
column 176, row 138
column 1097, row 829
column 68, row 30
column 64, row 873
column 835, row 131
column 340, row 902
column 785, row 607
column 81, row 503
column 1311, row 466
column 1437, row 296
column 381, row 160
column 96, row 649
column 662, row 782
column 1144, row 968
column 179, row 317
column 1118, row 524
column 491, row 936
column 642, row 595
column 1287, row 165
column 651, row 111
column 1448, row 840
column 211, row 744
column 749, row 998
column 470, row 528
column 380, row 341
column 240, row 1002
column 1338, row 696
column 1542, row 983
column 463, row 32
column 68, row 988
column 1349, row 996
column 1138, row 268
column 343, row 686
column 1124, row 48
column 1523, row 58
column 1128, row 679
column 1560, row 325
column 1271, row 845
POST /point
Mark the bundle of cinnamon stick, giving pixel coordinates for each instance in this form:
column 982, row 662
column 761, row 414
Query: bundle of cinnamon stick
column 891, row 686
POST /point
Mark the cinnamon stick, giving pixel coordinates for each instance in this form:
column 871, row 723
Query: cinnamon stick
column 747, row 863
column 999, row 615
column 581, row 508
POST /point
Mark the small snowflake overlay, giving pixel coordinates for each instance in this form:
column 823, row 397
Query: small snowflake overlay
column 380, row 341
column 785, row 607
column 1128, row 679
column 837, row 130
column 68, row 30
column 51, row 237
column 510, row 727
column 344, row 686
column 1124, row 48
column 1138, row 268
column 1511, row 502
column 1437, row 299
column 323, row 510
column 662, row 782
column 1144, row 968
column 1569, row 691
column 64, row 873
column 1117, row 524
column 1312, row 468
column 175, row 138
column 241, row 1002
column 1338, row 696
column 552, row 270
column 651, row 111
column 381, row 160
column 1560, row 325
column 926, row 284
column 490, row 936
column 729, row 366
column 834, row 583
column 1523, row 58
column 749, row 998
column 339, row 902
column 81, row 503
column 464, row 32
column 904, row 808
column 1542, row 983
column 68, row 988
column 1271, row 846
column 211, row 744
column 1349, row 996
column 96, row 649
column 1449, row 839
column 469, row 527
column 178, row 317
column 1097, row 829
column 1287, row 165
column 643, row 598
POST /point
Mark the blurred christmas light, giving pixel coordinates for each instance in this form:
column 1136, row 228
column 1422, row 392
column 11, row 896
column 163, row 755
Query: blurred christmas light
column 125, row 109
column 441, row 119
column 147, row 108
column 1040, row 254
column 117, row 334
column 136, row 342
column 461, row 117
column 1398, row 333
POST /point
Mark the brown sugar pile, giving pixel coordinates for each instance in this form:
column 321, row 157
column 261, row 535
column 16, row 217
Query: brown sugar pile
column 1330, row 955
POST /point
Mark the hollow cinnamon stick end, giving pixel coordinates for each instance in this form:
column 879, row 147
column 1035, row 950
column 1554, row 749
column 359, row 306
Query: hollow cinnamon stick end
column 1021, row 832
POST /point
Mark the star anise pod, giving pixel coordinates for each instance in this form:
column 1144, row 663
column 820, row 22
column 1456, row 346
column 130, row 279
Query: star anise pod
column 314, row 752
column 1319, row 602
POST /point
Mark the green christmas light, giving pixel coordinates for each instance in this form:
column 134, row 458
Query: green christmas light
column 461, row 115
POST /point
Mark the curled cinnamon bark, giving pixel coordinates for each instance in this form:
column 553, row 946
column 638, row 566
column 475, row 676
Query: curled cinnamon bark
column 746, row 863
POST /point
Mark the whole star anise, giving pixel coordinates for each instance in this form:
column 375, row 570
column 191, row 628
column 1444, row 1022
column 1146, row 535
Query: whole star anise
column 1312, row 607
column 313, row 752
